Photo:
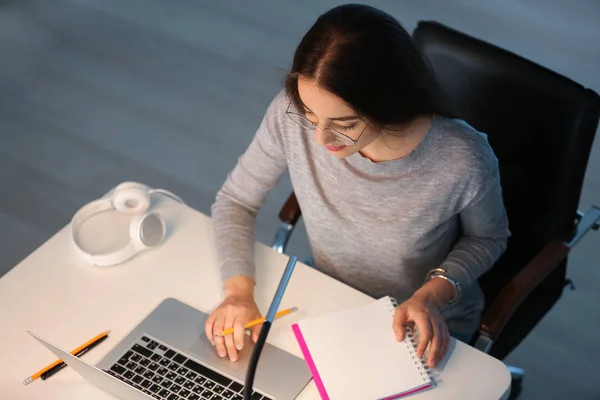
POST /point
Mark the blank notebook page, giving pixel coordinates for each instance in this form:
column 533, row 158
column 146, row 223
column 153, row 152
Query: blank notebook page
column 354, row 354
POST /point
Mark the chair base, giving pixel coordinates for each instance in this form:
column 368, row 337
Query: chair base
column 516, row 377
column 516, row 374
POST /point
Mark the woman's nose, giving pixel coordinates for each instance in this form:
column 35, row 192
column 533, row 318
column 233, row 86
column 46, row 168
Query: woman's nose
column 322, row 137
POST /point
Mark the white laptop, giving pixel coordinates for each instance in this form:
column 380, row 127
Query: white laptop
column 168, row 357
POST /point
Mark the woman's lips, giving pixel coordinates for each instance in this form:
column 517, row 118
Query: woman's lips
column 335, row 148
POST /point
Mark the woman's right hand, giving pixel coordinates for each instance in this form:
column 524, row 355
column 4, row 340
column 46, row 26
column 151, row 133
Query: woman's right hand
column 235, row 311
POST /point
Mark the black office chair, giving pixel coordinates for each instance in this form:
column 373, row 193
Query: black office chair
column 541, row 126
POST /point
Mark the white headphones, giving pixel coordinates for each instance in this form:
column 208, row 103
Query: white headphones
column 147, row 229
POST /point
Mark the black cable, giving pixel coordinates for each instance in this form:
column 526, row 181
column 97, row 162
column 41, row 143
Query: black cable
column 264, row 330
column 253, row 364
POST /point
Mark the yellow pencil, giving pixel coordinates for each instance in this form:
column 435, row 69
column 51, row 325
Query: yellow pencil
column 259, row 321
column 55, row 363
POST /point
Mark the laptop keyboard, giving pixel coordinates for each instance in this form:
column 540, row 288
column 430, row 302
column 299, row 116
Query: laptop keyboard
column 165, row 374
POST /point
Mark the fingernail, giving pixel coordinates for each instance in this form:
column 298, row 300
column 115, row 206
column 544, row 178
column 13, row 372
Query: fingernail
column 238, row 346
column 222, row 353
column 232, row 358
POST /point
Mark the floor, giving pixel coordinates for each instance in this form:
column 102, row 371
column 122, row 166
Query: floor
column 96, row 92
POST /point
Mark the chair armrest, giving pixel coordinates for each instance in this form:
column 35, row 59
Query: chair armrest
column 290, row 212
column 585, row 222
column 289, row 215
column 529, row 278
column 520, row 286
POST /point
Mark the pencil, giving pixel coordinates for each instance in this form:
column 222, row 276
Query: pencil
column 57, row 362
column 259, row 321
column 61, row 365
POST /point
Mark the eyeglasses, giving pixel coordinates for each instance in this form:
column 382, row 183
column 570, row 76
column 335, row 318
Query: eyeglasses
column 306, row 123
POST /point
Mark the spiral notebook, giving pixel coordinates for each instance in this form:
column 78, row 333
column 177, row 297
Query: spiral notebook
column 354, row 354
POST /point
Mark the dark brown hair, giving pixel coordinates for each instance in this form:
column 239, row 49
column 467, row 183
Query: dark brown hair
column 364, row 56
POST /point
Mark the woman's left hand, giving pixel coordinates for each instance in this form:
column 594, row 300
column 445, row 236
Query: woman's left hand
column 432, row 327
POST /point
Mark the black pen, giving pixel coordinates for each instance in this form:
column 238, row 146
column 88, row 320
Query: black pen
column 60, row 366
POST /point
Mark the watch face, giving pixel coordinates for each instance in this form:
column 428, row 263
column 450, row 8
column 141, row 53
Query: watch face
column 152, row 230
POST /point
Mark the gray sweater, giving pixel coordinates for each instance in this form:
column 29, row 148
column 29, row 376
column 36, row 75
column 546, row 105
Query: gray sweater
column 378, row 227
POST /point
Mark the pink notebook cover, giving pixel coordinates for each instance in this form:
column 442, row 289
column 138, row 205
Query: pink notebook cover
column 315, row 373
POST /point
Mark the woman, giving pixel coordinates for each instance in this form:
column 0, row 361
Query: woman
column 398, row 197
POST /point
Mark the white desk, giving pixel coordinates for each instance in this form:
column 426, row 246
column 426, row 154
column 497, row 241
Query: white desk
column 55, row 294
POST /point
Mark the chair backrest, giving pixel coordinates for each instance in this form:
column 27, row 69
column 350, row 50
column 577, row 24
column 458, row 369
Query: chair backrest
column 541, row 126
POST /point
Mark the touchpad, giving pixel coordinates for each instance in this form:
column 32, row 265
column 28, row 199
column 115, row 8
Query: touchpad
column 207, row 353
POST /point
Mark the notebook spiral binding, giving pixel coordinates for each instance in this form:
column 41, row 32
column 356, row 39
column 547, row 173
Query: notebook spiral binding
column 421, row 363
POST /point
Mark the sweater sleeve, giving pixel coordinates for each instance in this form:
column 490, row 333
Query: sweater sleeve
column 484, row 235
column 237, row 203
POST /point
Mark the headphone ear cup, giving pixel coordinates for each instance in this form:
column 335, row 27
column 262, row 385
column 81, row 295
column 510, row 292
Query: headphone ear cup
column 132, row 200
column 148, row 230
